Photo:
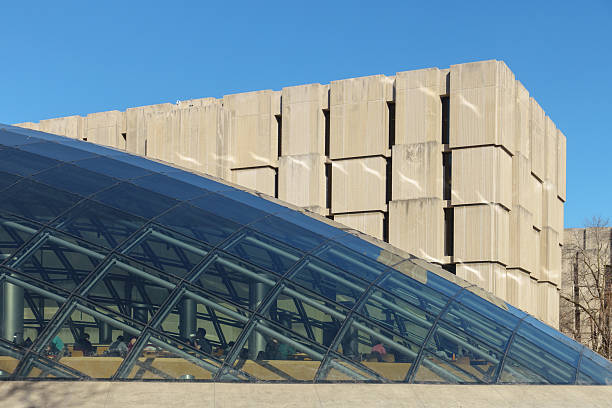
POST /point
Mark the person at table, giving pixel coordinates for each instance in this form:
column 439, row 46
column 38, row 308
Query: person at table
column 378, row 351
column 56, row 347
column 85, row 345
column 117, row 348
column 201, row 342
column 130, row 345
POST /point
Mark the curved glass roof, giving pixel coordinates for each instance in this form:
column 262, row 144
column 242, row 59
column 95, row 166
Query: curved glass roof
column 96, row 244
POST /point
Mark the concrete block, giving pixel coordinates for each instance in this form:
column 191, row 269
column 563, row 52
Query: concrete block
column 28, row 125
column 105, row 128
column 522, row 188
column 359, row 185
column 444, row 82
column 368, row 223
column 550, row 256
column 536, row 202
column 417, row 227
column 518, row 289
column 69, row 126
column 192, row 103
column 137, row 125
column 482, row 105
column 416, row 171
column 521, row 239
column 550, row 152
column 522, row 142
column 359, row 116
column 418, row 109
column 548, row 304
column 482, row 175
column 301, row 180
column 303, row 122
column 537, row 137
column 550, row 207
column 561, row 165
column 536, row 273
column 481, row 233
column 262, row 179
column 255, row 130
column 490, row 276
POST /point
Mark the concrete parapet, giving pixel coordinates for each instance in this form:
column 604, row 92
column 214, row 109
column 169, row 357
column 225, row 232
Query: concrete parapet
column 370, row 223
column 522, row 141
column 262, row 179
column 416, row 171
column 303, row 121
column 105, row 128
column 561, row 164
column 537, row 138
column 137, row 125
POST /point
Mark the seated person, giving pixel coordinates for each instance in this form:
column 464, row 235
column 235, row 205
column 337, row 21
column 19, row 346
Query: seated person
column 117, row 348
column 200, row 341
column 378, row 352
column 85, row 346
column 55, row 348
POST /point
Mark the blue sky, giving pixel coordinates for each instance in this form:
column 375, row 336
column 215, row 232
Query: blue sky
column 65, row 58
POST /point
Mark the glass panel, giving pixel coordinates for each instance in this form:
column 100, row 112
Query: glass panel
column 350, row 261
column 7, row 179
column 86, row 146
column 39, row 303
column 238, row 281
column 166, row 359
column 367, row 343
column 135, row 200
column 306, row 314
column 477, row 325
column 488, row 309
column 131, row 288
column 369, row 250
column 434, row 369
column 319, row 227
column 168, row 251
column 60, row 260
column 12, row 138
column 14, row 232
column 41, row 367
column 340, row 370
column 397, row 315
column 83, row 342
column 414, row 293
column 207, row 322
column 273, row 353
column 165, row 185
column 23, row 163
column 551, row 345
column 477, row 360
column 74, row 179
column 195, row 180
column 598, row 374
column 529, row 363
column 198, row 224
column 228, row 208
column 143, row 163
column 36, row 201
column 329, row 281
column 57, row 151
column 263, row 251
column 442, row 285
column 112, row 168
column 99, row 224
column 253, row 200
column 10, row 355
column 288, row 233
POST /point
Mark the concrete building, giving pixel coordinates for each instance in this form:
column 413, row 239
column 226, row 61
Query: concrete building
column 586, row 304
column 459, row 166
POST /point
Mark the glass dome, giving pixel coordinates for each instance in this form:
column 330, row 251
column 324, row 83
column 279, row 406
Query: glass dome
column 118, row 267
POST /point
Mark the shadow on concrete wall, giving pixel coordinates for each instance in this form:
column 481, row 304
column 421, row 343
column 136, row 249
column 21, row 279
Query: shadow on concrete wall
column 34, row 394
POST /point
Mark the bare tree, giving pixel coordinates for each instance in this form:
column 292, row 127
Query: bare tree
column 586, row 305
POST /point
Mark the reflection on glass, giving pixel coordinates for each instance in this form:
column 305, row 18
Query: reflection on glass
column 350, row 261
column 22, row 163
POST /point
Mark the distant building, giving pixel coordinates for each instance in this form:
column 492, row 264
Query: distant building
column 458, row 166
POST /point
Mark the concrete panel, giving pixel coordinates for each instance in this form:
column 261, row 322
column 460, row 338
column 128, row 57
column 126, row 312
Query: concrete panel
column 536, row 202
column 537, row 137
column 561, row 165
column 550, row 207
column 550, row 152
column 550, row 256
column 28, row 125
column 417, row 227
column 137, row 125
column 359, row 185
column 536, row 273
column 522, row 188
column 444, row 82
column 303, row 129
column 69, row 126
column 368, row 223
column 481, row 234
column 518, row 289
column 548, row 304
column 262, row 179
column 490, row 276
column 416, row 171
column 482, row 175
column 521, row 239
column 418, row 109
column 105, row 128
column 301, row 180
column 522, row 142
column 482, row 105
column 255, row 136
column 359, row 116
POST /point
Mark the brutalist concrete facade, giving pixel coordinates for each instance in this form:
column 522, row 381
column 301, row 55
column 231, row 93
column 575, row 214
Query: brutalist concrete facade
column 459, row 166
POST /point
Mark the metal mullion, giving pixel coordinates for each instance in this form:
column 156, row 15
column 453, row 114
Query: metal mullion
column 306, row 321
column 502, row 361
column 578, row 365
